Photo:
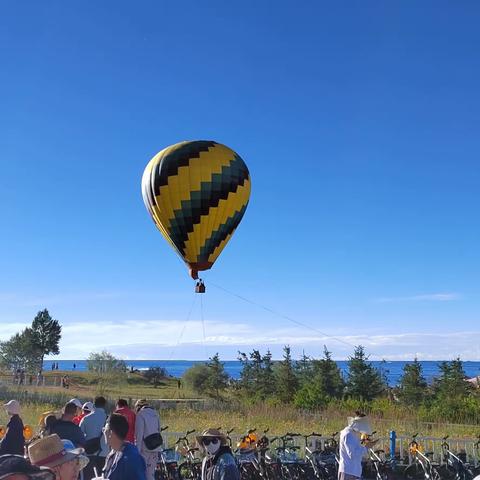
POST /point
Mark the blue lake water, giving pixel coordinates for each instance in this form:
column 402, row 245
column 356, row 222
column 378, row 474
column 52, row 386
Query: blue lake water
column 176, row 368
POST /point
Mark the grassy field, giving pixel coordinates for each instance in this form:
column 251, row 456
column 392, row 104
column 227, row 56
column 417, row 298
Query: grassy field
column 239, row 415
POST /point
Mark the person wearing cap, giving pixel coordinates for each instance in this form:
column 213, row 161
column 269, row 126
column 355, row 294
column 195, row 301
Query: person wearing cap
column 147, row 435
column 124, row 460
column 123, row 409
column 13, row 442
column 65, row 428
column 219, row 463
column 351, row 447
column 87, row 408
column 95, row 446
column 16, row 467
column 50, row 452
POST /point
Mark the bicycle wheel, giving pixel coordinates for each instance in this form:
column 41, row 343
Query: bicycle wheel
column 414, row 472
column 447, row 472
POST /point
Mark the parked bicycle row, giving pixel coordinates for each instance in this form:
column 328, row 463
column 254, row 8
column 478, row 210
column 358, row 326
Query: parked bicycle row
column 313, row 456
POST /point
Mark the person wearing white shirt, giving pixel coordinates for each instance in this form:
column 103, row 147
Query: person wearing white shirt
column 351, row 448
column 95, row 445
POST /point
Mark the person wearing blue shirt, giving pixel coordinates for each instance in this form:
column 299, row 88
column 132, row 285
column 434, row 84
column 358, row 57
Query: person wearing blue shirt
column 124, row 460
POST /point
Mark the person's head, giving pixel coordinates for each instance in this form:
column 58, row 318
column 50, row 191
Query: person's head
column 100, row 402
column 122, row 403
column 16, row 467
column 77, row 403
column 69, row 411
column 50, row 421
column 360, row 423
column 88, row 408
column 12, row 407
column 139, row 404
column 115, row 430
column 211, row 440
column 50, row 452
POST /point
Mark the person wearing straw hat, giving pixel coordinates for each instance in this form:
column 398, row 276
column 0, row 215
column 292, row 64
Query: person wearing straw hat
column 219, row 463
column 50, row 452
column 351, row 448
column 13, row 442
column 16, row 467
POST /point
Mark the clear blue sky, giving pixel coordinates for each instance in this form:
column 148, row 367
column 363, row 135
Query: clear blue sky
column 359, row 122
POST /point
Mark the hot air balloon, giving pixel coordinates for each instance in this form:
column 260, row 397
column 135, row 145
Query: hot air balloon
column 197, row 193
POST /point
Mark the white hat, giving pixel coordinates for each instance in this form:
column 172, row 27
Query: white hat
column 76, row 402
column 360, row 424
column 12, row 407
column 88, row 406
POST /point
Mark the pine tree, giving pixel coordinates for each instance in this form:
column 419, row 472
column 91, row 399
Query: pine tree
column 287, row 381
column 452, row 382
column 304, row 369
column 329, row 375
column 364, row 381
column 268, row 376
column 217, row 379
column 413, row 386
column 325, row 384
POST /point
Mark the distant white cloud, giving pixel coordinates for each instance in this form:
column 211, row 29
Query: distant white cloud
column 162, row 339
column 431, row 297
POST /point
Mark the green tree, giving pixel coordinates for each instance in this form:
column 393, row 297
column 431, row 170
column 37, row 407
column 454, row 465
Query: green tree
column 217, row 379
column 19, row 352
column 326, row 383
column 196, row 377
column 155, row 375
column 364, row 381
column 46, row 333
column 104, row 362
column 267, row 386
column 251, row 376
column 287, row 381
column 304, row 369
column 412, row 388
column 452, row 383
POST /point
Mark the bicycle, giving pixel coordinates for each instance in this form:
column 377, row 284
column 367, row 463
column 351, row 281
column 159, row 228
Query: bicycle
column 422, row 467
column 453, row 467
column 313, row 455
column 167, row 465
column 291, row 466
column 246, row 456
column 382, row 466
column 191, row 467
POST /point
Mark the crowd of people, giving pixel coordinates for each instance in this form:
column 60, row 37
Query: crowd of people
column 85, row 443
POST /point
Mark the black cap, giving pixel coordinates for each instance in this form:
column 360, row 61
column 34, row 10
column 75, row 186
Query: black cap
column 10, row 464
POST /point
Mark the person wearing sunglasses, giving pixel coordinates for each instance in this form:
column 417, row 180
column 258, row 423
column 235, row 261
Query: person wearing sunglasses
column 219, row 463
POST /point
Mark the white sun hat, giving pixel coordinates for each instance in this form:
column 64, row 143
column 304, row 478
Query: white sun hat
column 12, row 407
column 360, row 424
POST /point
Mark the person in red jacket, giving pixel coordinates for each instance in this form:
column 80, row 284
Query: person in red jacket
column 123, row 409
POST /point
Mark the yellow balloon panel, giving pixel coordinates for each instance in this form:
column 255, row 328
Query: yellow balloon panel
column 197, row 193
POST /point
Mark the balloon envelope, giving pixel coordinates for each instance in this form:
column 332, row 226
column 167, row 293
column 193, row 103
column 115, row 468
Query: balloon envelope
column 197, row 193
